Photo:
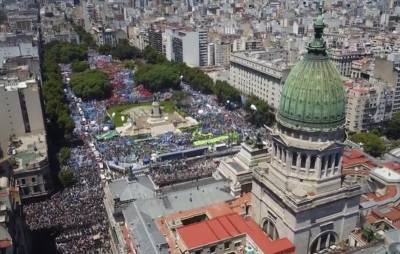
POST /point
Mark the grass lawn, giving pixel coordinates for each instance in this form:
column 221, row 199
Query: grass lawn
column 166, row 106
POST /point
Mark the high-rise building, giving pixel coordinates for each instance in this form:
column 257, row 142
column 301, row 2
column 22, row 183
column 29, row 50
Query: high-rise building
column 300, row 192
column 188, row 46
column 156, row 39
column 203, row 47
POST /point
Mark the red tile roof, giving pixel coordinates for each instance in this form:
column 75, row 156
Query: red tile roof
column 391, row 192
column 228, row 226
column 353, row 157
column 392, row 165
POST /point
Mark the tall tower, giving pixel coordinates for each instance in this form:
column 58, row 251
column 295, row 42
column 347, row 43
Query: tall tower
column 300, row 193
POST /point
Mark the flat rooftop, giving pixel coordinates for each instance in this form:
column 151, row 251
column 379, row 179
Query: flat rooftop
column 147, row 204
column 31, row 149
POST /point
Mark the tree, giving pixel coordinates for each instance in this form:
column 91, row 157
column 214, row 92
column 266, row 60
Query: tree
column 152, row 56
column 393, row 127
column 79, row 66
column 371, row 143
column 158, row 77
column 261, row 114
column 367, row 233
column 105, row 49
column 129, row 64
column 125, row 51
column 90, row 84
column 66, row 176
column 225, row 92
column 61, row 124
column 63, row 155
column 85, row 37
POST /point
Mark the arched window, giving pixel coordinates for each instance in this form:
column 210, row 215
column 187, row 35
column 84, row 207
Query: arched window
column 323, row 241
column 270, row 229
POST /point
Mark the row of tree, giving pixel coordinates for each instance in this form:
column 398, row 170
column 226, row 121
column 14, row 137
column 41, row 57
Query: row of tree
column 61, row 124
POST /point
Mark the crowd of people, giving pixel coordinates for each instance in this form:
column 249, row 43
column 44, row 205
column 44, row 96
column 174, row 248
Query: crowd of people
column 180, row 171
column 77, row 212
column 214, row 118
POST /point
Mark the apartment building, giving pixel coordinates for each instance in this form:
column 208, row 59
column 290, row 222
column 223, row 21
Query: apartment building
column 369, row 104
column 260, row 73
column 344, row 58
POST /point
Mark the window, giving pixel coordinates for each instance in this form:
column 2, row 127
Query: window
column 212, row 249
column 330, row 161
column 237, row 244
column 324, row 241
column 33, row 179
column 312, row 162
column 26, row 191
column 23, row 181
column 198, row 252
column 294, row 158
column 36, row 189
column 303, row 160
column 323, row 163
column 270, row 229
column 337, row 158
column 227, row 245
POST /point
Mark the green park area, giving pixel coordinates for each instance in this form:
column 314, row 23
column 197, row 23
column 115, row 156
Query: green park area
column 233, row 137
column 119, row 117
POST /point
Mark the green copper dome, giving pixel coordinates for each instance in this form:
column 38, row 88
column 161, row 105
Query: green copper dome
column 313, row 97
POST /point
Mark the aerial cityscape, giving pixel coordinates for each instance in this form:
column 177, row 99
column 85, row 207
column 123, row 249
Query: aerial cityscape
column 199, row 126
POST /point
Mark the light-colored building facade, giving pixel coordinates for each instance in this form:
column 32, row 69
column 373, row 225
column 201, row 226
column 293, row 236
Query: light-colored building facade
column 21, row 110
column 260, row 73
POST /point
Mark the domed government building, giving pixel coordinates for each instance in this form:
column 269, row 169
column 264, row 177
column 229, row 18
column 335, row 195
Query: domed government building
column 299, row 193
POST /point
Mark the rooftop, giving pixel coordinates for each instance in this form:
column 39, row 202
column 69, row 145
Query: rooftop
column 147, row 204
column 29, row 150
column 228, row 226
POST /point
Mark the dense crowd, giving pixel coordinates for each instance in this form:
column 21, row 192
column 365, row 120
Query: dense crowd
column 77, row 212
column 179, row 171
column 214, row 118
